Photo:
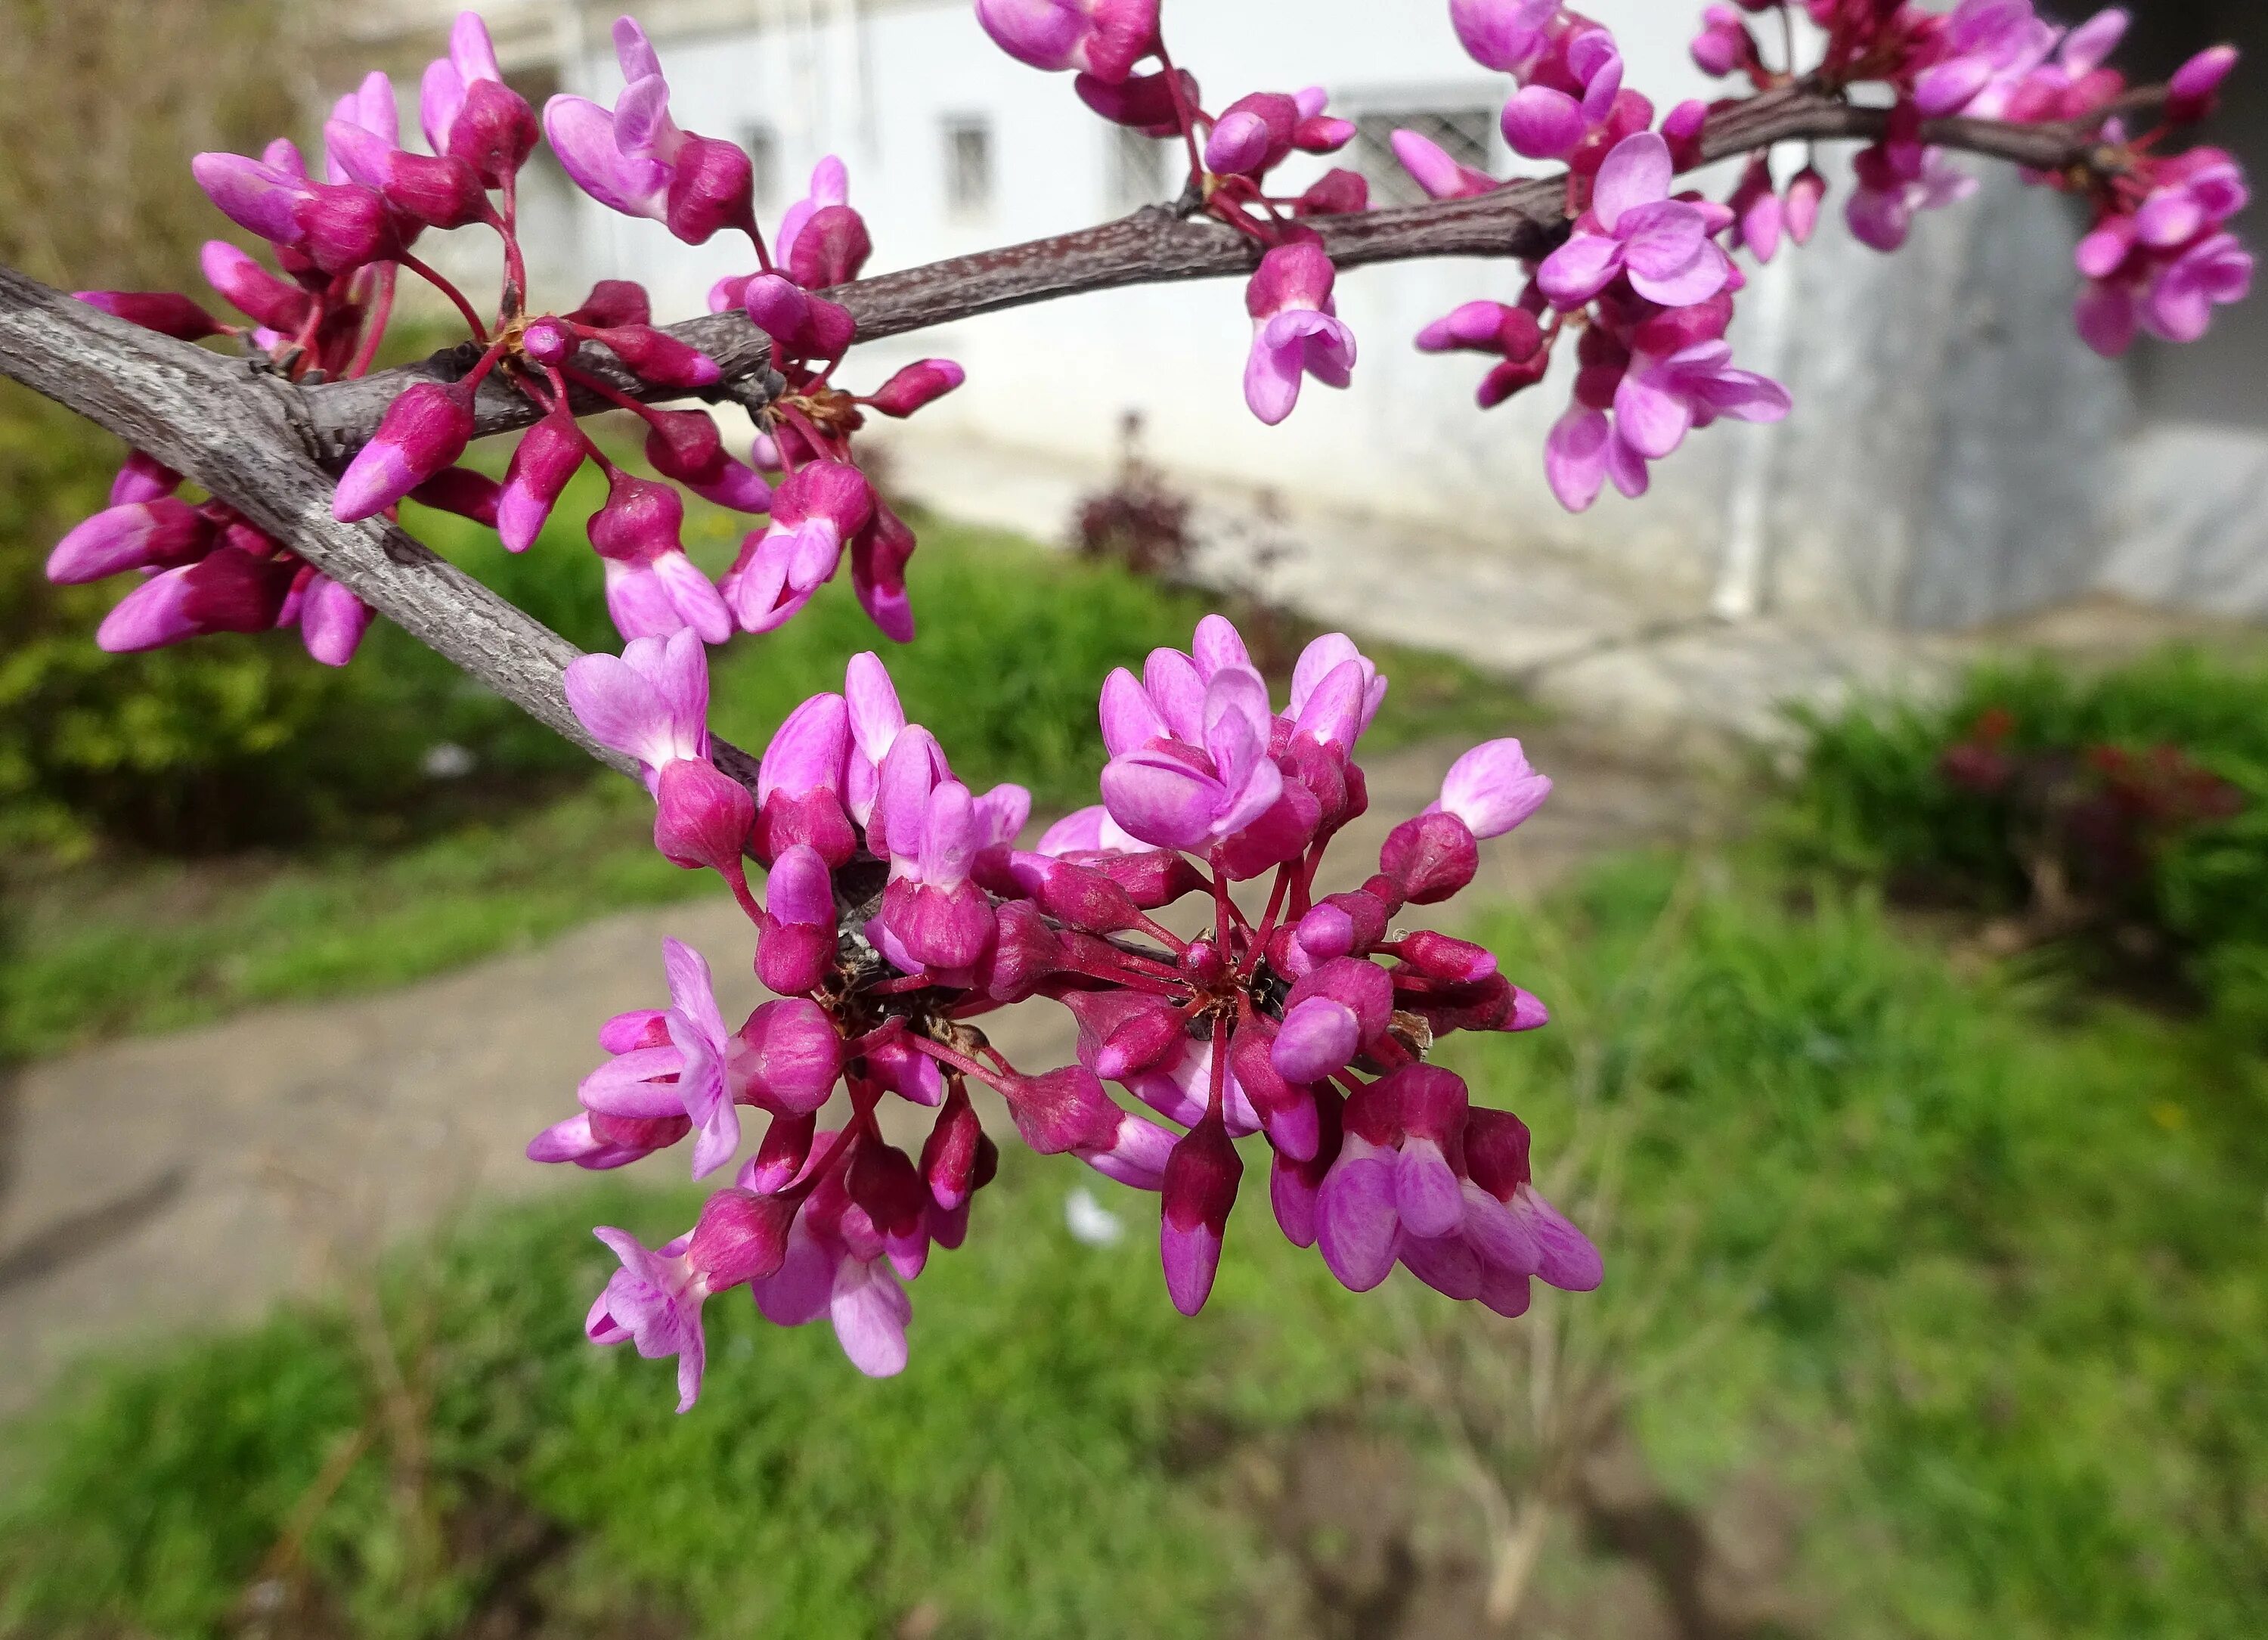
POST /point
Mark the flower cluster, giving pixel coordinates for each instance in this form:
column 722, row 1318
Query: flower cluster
column 899, row 909
column 1644, row 279
column 2158, row 258
column 342, row 232
column 1296, row 332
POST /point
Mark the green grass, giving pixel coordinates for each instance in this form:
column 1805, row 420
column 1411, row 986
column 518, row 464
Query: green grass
column 1014, row 644
column 1975, row 1271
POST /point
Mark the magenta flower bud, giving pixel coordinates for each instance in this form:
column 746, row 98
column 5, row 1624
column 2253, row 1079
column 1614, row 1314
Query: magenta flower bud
column 1541, row 123
column 830, row 248
column 1364, row 989
column 1144, row 102
column 1025, row 951
column 1439, row 956
column 1151, row 877
column 1681, row 129
column 343, row 226
column 659, row 357
column 641, row 520
column 1339, row 192
column 1429, row 858
column 332, row 621
column 1201, row 1176
column 878, row 555
column 797, row 950
column 883, row 1181
column 781, row 1154
column 494, row 132
column 140, row 534
column 150, row 616
column 1431, row 168
column 1103, row 37
column 228, row 590
column 255, row 291
column 702, row 818
column 257, row 195
column 791, row 1053
column 1501, row 34
column 1497, row 1151
column 2195, row 87
column 162, row 311
column 461, row 491
column 1240, row 143
column 1318, row 1035
column 916, row 385
column 424, row 430
column 685, row 445
column 800, row 325
column 550, row 342
column 1079, row 897
column 1294, row 331
column 1491, row 788
column 1140, row 1042
column 614, row 302
column 740, row 1236
column 439, row 192
column 711, row 187
column 799, row 784
column 547, row 456
column 1801, row 211
column 143, row 478
column 1294, row 1181
column 1062, row 1110
column 955, row 1152
column 1288, row 1111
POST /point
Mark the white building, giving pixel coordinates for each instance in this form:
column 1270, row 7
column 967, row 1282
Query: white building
column 1955, row 454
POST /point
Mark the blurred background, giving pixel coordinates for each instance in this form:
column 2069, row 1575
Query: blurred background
column 1902, row 905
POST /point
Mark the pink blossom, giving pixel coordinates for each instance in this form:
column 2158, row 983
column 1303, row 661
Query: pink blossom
column 653, row 588
column 1892, row 187
column 635, row 160
column 815, row 515
column 1101, row 38
column 1431, row 168
column 649, row 703
column 468, row 113
column 1633, row 228
column 1294, row 330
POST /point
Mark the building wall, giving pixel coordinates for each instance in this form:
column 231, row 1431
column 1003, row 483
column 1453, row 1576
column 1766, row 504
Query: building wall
column 1952, row 456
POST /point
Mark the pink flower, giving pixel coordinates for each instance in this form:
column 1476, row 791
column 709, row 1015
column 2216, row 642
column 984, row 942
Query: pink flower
column 1724, row 46
column 649, row 703
column 1984, row 42
column 157, row 534
column 815, row 515
column 1491, row 789
column 1893, row 183
column 1507, row 35
column 1294, row 331
column 653, row 588
column 1633, row 228
column 1188, row 793
column 654, row 1300
column 1101, row 38
column 635, row 160
column 547, row 456
column 1196, row 1196
column 839, row 1264
column 469, row 114
column 799, row 784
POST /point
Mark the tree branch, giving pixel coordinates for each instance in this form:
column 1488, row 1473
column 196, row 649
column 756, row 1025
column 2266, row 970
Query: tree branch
column 241, row 433
column 1154, row 247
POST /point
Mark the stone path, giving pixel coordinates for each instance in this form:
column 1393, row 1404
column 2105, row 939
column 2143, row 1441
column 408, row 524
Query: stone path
column 188, row 1180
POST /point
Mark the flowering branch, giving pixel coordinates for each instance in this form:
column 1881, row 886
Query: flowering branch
column 1158, row 245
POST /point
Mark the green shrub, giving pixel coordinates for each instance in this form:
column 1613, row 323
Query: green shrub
column 1873, row 796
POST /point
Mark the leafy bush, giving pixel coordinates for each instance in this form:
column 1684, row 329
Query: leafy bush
column 2145, row 789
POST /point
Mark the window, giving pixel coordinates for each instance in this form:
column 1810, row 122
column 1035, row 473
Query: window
column 967, row 169
column 1138, row 167
column 762, row 143
column 1462, row 133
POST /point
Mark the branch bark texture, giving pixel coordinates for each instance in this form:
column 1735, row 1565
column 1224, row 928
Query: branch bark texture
column 1156, row 246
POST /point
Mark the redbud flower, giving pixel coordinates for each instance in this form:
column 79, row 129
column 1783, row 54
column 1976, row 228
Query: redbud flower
column 332, row 621
column 1891, row 188
column 649, row 703
column 469, row 114
column 2195, row 87
column 635, row 160
column 918, row 384
column 161, row 311
column 653, row 588
column 1295, row 331
column 424, row 430
column 228, row 590
column 1800, row 213
column 1506, row 35
column 686, row 446
column 255, row 291
column 814, row 513
column 1633, row 228
column 654, row 1300
column 1197, row 1195
column 1103, row 37
column 157, row 534
column 799, row 784
column 547, row 456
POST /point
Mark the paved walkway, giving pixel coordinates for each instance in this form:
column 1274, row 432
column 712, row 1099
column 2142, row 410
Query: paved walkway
column 188, row 1180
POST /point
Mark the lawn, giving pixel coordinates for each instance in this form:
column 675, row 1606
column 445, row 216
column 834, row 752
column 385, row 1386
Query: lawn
column 1972, row 1270
column 1015, row 644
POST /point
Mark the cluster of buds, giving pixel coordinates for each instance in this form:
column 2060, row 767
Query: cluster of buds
column 342, row 232
column 899, row 908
